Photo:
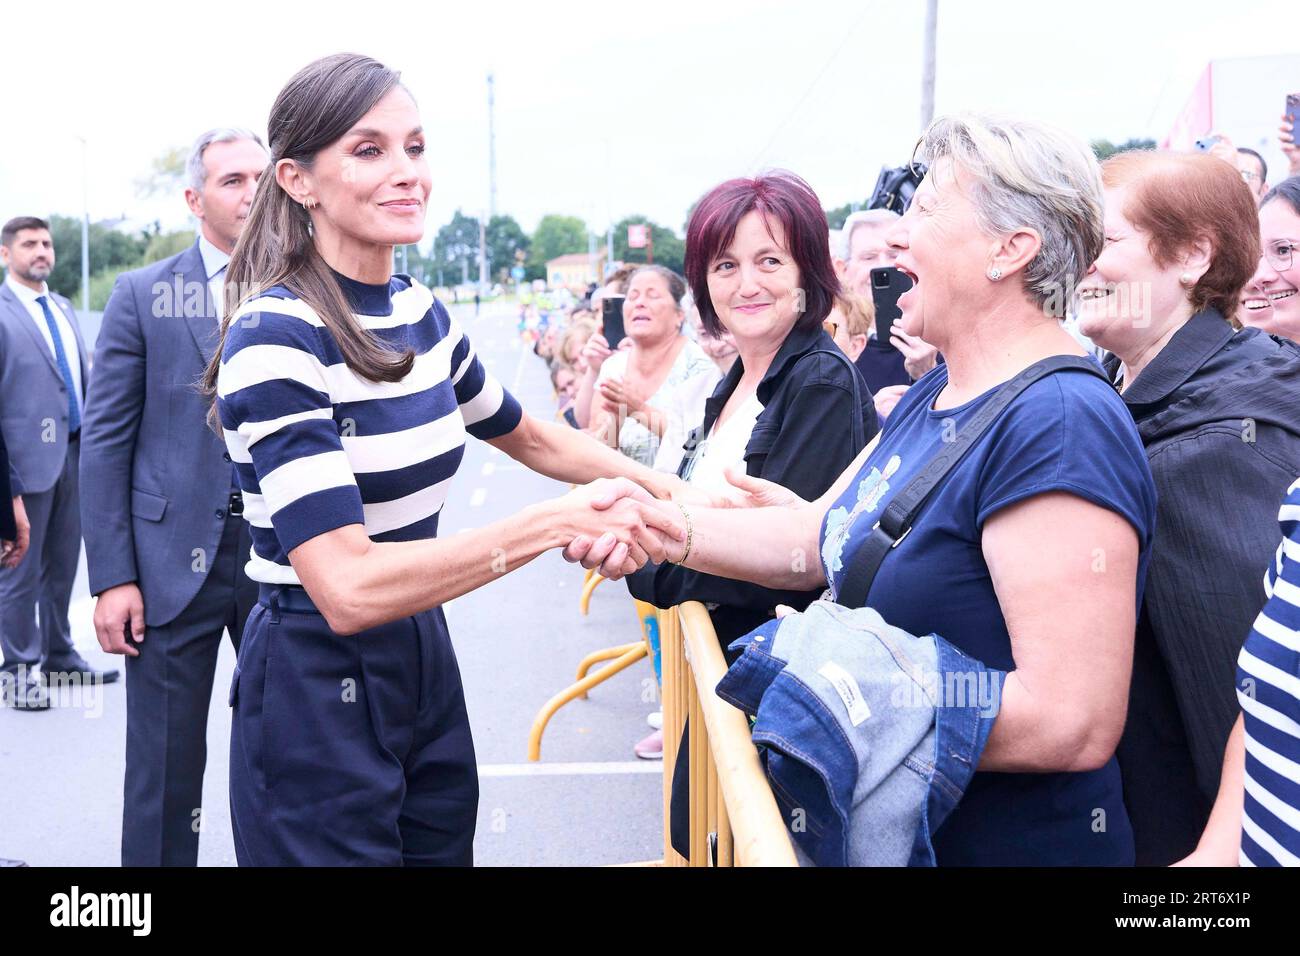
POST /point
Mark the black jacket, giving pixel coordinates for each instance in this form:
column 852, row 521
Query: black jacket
column 1219, row 414
column 801, row 441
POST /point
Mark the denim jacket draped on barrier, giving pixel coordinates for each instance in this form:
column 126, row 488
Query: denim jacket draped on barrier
column 869, row 734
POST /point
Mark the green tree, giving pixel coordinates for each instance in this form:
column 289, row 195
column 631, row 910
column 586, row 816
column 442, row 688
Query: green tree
column 556, row 236
column 109, row 249
column 1103, row 148
column 669, row 250
column 504, row 237
column 164, row 244
column 166, row 174
column 835, row 217
column 456, row 249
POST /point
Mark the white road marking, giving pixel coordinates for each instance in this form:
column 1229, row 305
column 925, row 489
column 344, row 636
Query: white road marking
column 519, row 371
column 569, row 769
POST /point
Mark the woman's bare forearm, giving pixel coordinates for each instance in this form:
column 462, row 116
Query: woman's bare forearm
column 774, row 547
column 583, row 399
column 567, row 454
column 358, row 583
column 1221, row 840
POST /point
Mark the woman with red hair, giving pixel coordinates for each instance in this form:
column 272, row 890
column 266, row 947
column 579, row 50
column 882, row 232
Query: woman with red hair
column 1218, row 411
column 792, row 409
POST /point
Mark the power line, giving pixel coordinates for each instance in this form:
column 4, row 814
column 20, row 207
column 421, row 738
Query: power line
column 811, row 86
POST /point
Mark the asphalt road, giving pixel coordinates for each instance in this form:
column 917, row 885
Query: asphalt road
column 588, row 802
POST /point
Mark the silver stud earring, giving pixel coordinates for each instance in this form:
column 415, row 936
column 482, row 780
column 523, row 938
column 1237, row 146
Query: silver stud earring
column 995, row 274
column 1187, row 280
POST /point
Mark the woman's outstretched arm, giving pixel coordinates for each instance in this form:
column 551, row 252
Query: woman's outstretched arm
column 776, row 546
column 358, row 583
column 566, row 454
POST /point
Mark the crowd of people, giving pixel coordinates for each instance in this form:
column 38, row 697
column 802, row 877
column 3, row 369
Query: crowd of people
column 1110, row 544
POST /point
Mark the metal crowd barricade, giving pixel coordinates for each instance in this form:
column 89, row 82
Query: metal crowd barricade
column 734, row 818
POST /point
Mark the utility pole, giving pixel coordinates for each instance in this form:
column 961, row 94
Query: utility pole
column 492, row 147
column 482, row 257
column 85, row 232
column 927, row 63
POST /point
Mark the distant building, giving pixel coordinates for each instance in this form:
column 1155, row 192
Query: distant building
column 1244, row 99
column 575, row 271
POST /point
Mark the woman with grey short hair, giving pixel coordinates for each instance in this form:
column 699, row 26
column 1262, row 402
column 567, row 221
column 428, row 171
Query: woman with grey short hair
column 1031, row 555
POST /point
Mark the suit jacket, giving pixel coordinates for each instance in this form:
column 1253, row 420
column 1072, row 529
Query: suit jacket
column 33, row 396
column 156, row 480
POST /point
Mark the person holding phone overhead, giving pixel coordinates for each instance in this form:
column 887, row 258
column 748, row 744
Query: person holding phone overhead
column 633, row 386
column 344, row 393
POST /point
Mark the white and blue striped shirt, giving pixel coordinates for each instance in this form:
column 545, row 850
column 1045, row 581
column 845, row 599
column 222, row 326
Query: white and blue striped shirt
column 1268, row 687
column 317, row 447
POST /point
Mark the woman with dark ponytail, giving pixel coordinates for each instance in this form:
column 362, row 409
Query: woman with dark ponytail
column 344, row 393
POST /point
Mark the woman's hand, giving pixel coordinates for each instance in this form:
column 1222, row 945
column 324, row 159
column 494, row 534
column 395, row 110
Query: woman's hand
column 613, row 504
column 617, row 394
column 1206, row 857
column 595, row 352
column 617, row 525
column 1225, row 150
column 754, row 492
column 1286, row 136
column 887, row 398
column 12, row 552
column 919, row 356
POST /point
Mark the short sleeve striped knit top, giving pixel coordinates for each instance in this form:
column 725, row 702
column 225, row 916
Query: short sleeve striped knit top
column 1268, row 687
column 317, row 447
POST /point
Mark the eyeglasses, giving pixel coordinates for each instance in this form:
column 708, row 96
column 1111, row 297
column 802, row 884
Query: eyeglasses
column 1249, row 175
column 1280, row 255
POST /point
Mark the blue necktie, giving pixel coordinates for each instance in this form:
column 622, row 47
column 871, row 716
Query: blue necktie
column 60, row 356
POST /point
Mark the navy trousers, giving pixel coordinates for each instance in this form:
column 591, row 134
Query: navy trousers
column 349, row 750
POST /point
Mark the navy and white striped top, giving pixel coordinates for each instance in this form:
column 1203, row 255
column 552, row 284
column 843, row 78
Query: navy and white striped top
column 317, row 447
column 1268, row 687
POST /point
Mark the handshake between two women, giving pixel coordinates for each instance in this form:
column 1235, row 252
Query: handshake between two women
column 618, row 526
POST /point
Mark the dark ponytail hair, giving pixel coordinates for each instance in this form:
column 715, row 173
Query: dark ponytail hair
column 317, row 107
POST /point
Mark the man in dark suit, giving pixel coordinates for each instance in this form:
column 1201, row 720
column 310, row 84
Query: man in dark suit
column 43, row 374
column 166, row 542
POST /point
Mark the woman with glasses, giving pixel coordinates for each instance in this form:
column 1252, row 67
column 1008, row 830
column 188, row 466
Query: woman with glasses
column 1218, row 411
column 1270, row 301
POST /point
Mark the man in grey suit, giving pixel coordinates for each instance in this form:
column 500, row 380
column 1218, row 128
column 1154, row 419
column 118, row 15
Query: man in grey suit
column 43, row 375
column 166, row 542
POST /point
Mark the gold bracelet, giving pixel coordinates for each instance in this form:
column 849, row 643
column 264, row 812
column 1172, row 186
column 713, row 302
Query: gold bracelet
column 690, row 533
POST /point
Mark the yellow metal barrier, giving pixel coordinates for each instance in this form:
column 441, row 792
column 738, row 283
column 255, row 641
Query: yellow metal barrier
column 620, row 657
column 734, row 817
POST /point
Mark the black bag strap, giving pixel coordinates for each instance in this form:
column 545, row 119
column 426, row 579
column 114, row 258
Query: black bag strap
column 897, row 519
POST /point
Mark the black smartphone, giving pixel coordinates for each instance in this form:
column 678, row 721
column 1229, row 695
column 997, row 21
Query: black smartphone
column 1293, row 112
column 1206, row 143
column 887, row 285
column 611, row 317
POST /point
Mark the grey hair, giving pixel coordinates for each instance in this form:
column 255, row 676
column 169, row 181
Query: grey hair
column 675, row 283
column 195, row 169
column 865, row 217
column 1026, row 174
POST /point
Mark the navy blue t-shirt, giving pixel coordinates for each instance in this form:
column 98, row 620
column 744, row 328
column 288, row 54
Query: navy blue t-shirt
column 1067, row 432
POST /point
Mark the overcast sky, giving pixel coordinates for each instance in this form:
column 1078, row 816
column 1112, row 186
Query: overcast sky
column 602, row 109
